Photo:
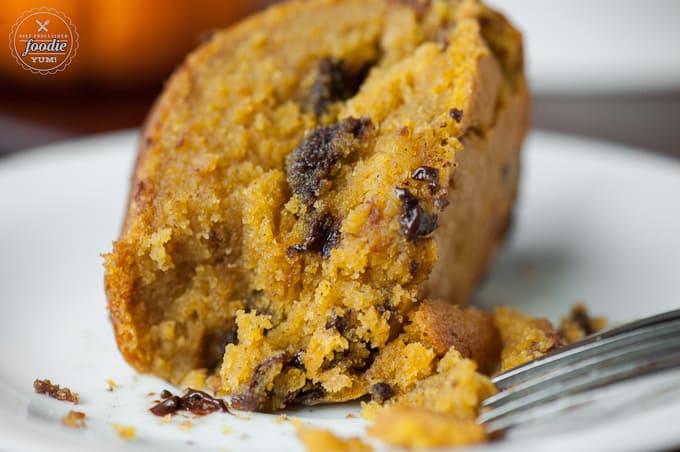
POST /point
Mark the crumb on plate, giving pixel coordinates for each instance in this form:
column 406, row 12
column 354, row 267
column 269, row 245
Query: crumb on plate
column 419, row 427
column 321, row 440
column 74, row 419
column 52, row 390
column 125, row 432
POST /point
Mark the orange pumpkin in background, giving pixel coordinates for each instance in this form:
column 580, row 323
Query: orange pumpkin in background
column 123, row 42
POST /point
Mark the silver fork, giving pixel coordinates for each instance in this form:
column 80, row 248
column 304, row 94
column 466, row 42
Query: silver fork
column 638, row 348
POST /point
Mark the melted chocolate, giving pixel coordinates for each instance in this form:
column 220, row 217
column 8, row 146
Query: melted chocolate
column 337, row 322
column 200, row 403
column 415, row 221
column 255, row 395
column 296, row 361
column 311, row 164
column 194, row 401
column 309, row 395
column 582, row 320
column 322, row 234
column 334, row 82
column 427, row 174
column 456, row 114
column 170, row 405
column 381, row 392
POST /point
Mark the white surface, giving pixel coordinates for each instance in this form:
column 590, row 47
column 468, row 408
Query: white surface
column 599, row 46
column 595, row 222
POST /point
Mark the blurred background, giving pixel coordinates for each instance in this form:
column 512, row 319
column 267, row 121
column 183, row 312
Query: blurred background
column 601, row 68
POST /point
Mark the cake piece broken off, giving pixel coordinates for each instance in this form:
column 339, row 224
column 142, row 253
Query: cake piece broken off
column 307, row 181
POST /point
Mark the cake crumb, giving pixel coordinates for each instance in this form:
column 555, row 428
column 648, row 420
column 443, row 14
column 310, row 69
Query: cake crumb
column 51, row 390
column 281, row 419
column 226, row 430
column 111, row 385
column 166, row 419
column 74, row 419
column 125, row 432
column 350, row 416
column 369, row 410
column 186, row 426
column 295, row 421
column 579, row 324
column 419, row 427
column 524, row 337
column 321, row 440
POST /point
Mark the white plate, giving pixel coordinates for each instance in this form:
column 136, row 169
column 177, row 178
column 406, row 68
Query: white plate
column 596, row 222
column 599, row 46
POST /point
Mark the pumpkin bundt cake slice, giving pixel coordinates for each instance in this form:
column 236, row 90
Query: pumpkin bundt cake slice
column 307, row 178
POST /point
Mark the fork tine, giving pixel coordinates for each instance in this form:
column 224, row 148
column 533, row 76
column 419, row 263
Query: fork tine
column 583, row 356
column 633, row 391
column 648, row 348
column 645, row 329
column 645, row 360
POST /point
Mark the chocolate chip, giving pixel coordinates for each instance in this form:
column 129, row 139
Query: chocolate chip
column 297, row 361
column 334, row 82
column 196, row 402
column 322, row 234
column 256, row 394
column 441, row 201
column 415, row 221
column 201, row 403
column 413, row 267
column 580, row 316
column 395, row 320
column 170, row 405
column 456, row 114
column 309, row 396
column 362, row 365
column 337, row 322
column 427, row 174
column 312, row 163
column 380, row 392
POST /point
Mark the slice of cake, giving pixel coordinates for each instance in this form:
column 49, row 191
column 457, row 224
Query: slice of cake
column 306, row 180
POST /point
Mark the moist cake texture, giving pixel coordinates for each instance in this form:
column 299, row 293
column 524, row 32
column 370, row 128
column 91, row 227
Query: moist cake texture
column 315, row 188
